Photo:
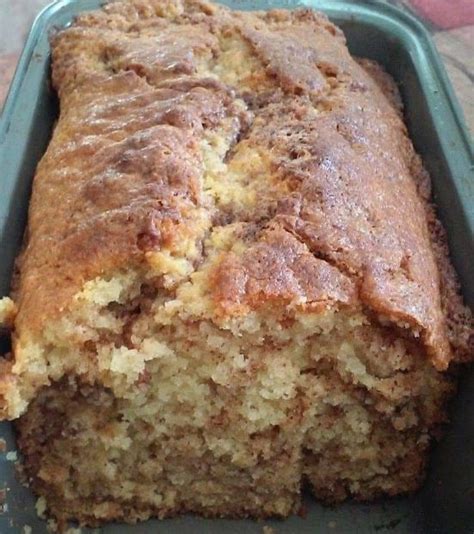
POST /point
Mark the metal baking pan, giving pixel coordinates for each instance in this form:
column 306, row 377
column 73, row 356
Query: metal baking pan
column 398, row 41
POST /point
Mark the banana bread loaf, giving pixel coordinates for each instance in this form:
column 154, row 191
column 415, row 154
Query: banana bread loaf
column 233, row 280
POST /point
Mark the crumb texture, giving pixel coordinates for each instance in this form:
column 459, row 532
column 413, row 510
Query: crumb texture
column 234, row 281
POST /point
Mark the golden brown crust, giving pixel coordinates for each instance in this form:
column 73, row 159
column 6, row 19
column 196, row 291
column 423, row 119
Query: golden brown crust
column 123, row 174
column 279, row 269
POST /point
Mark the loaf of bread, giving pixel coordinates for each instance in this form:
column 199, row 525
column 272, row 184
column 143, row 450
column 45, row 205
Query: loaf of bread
column 233, row 281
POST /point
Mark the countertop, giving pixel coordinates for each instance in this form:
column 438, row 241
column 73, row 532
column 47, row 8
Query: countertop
column 451, row 22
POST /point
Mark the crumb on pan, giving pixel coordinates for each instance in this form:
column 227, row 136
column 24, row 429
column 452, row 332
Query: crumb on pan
column 7, row 312
column 11, row 456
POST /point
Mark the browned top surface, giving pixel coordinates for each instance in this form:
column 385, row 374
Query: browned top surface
column 342, row 216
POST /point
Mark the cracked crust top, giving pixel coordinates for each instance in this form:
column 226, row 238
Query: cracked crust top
column 313, row 161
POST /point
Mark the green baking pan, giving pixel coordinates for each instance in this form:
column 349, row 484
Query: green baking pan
column 398, row 41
